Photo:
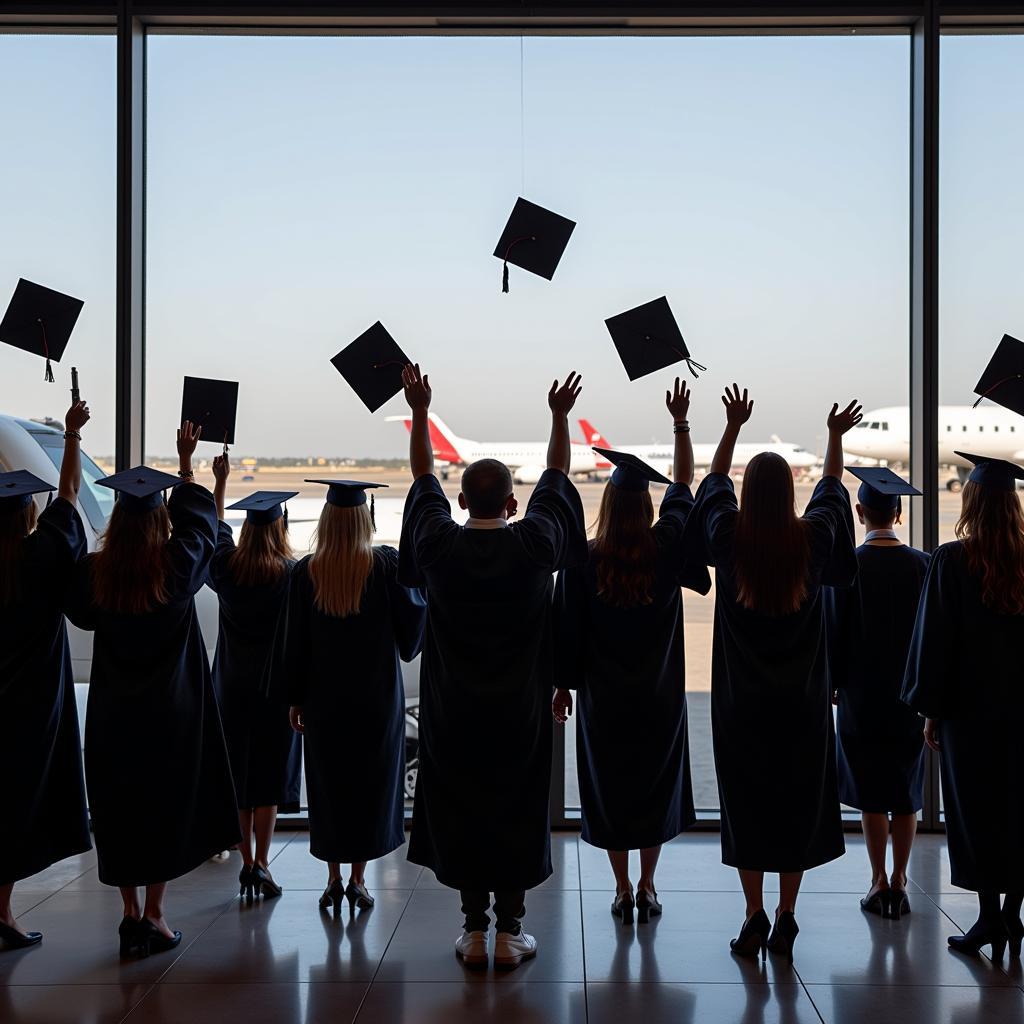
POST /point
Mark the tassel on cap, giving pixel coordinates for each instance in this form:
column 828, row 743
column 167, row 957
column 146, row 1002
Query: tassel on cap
column 373, row 514
column 504, row 277
column 48, row 376
column 693, row 366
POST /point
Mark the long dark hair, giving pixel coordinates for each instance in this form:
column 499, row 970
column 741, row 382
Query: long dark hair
column 624, row 552
column 262, row 553
column 771, row 550
column 129, row 569
column 991, row 527
column 15, row 525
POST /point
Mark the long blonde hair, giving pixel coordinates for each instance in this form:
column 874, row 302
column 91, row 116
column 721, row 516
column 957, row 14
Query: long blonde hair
column 991, row 527
column 15, row 525
column 130, row 568
column 343, row 560
column 262, row 554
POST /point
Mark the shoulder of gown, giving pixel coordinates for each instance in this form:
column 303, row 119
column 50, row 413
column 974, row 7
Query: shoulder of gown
column 553, row 531
column 707, row 537
column 829, row 518
column 669, row 530
column 427, row 529
column 220, row 563
column 58, row 541
column 194, row 522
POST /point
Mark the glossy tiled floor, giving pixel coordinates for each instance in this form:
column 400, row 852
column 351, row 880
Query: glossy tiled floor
column 283, row 961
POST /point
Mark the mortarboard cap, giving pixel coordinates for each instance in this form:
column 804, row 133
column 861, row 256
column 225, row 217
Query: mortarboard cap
column 534, row 239
column 648, row 339
column 1003, row 379
column 881, row 488
column 372, row 365
column 631, row 473
column 263, row 507
column 140, row 488
column 40, row 320
column 996, row 473
column 346, row 493
column 17, row 488
column 212, row 405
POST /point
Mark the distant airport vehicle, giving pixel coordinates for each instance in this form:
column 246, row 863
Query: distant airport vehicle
column 526, row 459
column 660, row 455
column 884, row 434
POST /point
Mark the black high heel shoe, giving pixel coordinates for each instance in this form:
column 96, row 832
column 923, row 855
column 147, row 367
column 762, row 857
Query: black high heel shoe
column 622, row 906
column 876, row 903
column 358, row 896
column 246, row 887
column 130, row 935
column 1015, row 931
column 153, row 940
column 783, row 935
column 332, row 897
column 11, row 938
column 647, row 906
column 981, row 933
column 264, row 884
column 753, row 937
column 899, row 903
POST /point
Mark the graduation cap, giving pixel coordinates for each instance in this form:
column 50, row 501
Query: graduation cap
column 212, row 405
column 631, row 473
column 372, row 365
column 40, row 320
column 17, row 488
column 648, row 339
column 141, row 488
column 534, row 239
column 1003, row 379
column 996, row 473
column 881, row 489
column 346, row 493
column 263, row 507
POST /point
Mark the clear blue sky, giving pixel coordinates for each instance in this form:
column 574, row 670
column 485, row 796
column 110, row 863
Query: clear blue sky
column 301, row 188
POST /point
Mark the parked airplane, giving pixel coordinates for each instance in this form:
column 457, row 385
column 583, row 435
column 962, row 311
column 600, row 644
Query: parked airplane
column 660, row 455
column 989, row 430
column 526, row 459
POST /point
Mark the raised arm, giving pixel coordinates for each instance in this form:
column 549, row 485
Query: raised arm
column 677, row 401
column 838, row 424
column 417, row 394
column 71, row 465
column 221, row 472
column 737, row 412
column 561, row 399
column 188, row 437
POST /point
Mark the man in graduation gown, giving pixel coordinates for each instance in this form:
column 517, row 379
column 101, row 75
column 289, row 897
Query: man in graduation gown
column 480, row 819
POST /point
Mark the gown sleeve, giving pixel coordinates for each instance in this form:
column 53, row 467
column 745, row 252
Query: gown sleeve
column 288, row 666
column 59, row 540
column 837, row 633
column 830, row 519
column 553, row 531
column 709, row 527
column 933, row 661
column 670, row 528
column 222, row 552
column 408, row 607
column 427, row 529
column 570, row 628
column 193, row 539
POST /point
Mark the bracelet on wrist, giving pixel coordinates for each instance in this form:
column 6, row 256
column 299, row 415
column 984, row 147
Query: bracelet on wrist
column 682, row 427
column 68, row 434
column 186, row 474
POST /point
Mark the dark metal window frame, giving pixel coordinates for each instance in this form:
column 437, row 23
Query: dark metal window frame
column 922, row 20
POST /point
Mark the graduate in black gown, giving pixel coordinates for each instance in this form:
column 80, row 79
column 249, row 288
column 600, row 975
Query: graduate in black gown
column 879, row 745
column 632, row 752
column 480, row 819
column 348, row 625
column 251, row 582
column 156, row 767
column 771, row 706
column 41, row 789
column 963, row 674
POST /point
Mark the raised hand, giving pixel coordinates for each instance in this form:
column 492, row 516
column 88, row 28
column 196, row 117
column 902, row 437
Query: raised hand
column 77, row 416
column 188, row 438
column 561, row 398
column 841, row 422
column 737, row 407
column 221, row 468
column 677, row 401
column 417, row 388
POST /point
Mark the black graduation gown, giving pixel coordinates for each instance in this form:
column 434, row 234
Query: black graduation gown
column 41, row 788
column 771, row 706
column 265, row 752
column 347, row 677
column 156, row 767
column 628, row 667
column 964, row 669
column 480, row 816
column 879, row 745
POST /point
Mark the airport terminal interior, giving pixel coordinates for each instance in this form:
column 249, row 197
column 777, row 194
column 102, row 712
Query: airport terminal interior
column 818, row 200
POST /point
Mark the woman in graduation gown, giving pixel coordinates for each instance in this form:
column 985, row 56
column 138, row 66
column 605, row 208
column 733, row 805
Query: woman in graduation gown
column 251, row 583
column 963, row 673
column 160, row 790
column 619, row 644
column 880, row 749
column 41, row 788
column 771, row 707
column 348, row 626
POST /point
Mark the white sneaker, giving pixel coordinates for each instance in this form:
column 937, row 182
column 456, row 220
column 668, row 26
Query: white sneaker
column 511, row 950
column 471, row 949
